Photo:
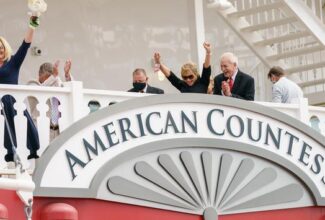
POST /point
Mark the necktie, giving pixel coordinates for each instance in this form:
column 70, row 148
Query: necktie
column 55, row 114
column 231, row 83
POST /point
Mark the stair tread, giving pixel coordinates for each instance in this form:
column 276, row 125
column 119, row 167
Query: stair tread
column 305, row 67
column 269, row 24
column 283, row 38
column 311, row 83
column 255, row 10
column 296, row 52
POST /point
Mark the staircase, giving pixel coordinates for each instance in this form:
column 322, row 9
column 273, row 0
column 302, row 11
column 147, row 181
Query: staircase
column 287, row 33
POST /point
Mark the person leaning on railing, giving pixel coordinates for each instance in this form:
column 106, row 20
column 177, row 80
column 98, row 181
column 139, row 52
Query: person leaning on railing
column 283, row 89
column 191, row 81
column 9, row 73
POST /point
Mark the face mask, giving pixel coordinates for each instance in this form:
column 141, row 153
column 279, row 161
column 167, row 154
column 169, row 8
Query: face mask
column 139, row 86
column 93, row 108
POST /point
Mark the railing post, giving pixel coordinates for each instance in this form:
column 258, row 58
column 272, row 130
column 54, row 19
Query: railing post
column 304, row 110
column 197, row 28
column 76, row 100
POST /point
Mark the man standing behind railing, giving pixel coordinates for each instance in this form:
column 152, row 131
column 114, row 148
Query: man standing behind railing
column 283, row 90
column 49, row 76
column 140, row 83
column 232, row 82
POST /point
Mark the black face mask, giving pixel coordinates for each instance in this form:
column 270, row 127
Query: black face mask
column 139, row 86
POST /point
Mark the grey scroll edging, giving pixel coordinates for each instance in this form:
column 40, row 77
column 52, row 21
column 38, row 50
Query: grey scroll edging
column 121, row 186
column 206, row 158
column 207, row 143
column 262, row 179
column 292, row 192
column 146, row 171
column 152, row 175
column 166, row 162
column 188, row 163
column 225, row 163
column 245, row 167
column 181, row 143
column 168, row 99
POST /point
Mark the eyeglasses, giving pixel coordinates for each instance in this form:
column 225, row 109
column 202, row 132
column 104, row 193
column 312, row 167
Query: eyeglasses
column 188, row 77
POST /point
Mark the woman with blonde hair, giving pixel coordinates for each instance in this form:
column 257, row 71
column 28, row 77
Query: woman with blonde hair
column 191, row 81
column 9, row 74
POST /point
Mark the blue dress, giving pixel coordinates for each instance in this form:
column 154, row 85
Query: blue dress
column 9, row 73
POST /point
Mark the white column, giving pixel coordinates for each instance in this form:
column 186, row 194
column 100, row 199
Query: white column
column 76, row 100
column 21, row 130
column 197, row 31
column 304, row 111
column 43, row 123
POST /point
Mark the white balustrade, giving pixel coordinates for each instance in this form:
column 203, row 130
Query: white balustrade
column 73, row 106
column 74, row 101
column 313, row 75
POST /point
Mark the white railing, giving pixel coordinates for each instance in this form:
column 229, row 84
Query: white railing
column 316, row 7
column 73, row 106
column 317, row 75
column 74, row 101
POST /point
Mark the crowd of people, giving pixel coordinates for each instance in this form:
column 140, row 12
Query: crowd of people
column 232, row 82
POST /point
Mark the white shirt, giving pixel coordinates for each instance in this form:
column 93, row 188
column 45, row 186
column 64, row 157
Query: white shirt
column 145, row 89
column 286, row 91
column 233, row 79
column 52, row 81
column 234, row 76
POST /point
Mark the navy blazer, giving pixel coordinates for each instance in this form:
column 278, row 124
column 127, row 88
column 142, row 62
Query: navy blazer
column 150, row 89
column 243, row 88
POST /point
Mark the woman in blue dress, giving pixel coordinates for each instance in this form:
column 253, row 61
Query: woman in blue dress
column 9, row 73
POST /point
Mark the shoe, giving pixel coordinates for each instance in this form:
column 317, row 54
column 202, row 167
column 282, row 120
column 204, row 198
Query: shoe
column 9, row 157
column 32, row 156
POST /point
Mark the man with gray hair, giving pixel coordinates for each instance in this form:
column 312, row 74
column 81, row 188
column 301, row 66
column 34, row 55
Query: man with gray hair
column 48, row 75
column 232, row 82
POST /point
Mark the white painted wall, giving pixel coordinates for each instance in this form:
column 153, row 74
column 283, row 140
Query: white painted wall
column 108, row 39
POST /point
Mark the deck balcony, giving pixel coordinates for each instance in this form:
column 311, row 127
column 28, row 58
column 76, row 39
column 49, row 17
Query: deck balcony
column 74, row 105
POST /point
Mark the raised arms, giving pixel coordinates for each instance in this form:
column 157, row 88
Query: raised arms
column 162, row 67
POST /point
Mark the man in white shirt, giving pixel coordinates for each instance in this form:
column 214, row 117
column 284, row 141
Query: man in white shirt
column 283, row 90
column 49, row 76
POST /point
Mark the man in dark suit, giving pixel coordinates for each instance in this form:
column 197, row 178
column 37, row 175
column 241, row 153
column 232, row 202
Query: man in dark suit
column 232, row 82
column 140, row 83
